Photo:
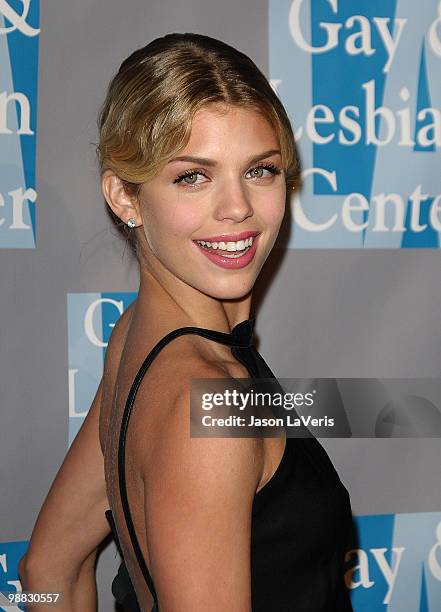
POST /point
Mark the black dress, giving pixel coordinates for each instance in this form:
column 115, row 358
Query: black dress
column 301, row 519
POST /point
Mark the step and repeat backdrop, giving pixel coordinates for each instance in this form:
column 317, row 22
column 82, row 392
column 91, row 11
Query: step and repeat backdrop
column 362, row 83
column 357, row 292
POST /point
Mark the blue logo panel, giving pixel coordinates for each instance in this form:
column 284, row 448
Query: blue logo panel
column 361, row 82
column 91, row 318
column 10, row 555
column 19, row 37
column 396, row 565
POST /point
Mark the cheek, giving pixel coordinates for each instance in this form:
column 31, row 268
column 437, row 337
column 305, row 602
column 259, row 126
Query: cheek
column 171, row 220
column 272, row 209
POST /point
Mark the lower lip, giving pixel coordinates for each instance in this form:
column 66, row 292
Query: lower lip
column 230, row 262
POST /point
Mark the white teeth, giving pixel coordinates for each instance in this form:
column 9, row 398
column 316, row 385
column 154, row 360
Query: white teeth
column 234, row 255
column 240, row 245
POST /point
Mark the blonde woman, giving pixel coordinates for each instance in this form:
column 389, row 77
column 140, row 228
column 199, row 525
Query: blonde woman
column 197, row 157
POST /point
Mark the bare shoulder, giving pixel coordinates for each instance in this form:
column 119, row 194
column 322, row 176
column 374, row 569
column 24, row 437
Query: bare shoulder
column 168, row 380
column 201, row 470
column 198, row 497
column 198, row 492
column 167, row 443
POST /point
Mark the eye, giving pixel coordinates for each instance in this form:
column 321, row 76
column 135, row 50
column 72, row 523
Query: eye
column 258, row 172
column 189, row 177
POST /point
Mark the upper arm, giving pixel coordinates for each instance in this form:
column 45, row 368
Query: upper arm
column 198, row 506
column 71, row 522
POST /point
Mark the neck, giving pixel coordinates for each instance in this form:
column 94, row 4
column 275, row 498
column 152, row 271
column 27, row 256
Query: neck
column 166, row 302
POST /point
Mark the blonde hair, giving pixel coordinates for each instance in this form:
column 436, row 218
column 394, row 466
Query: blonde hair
column 147, row 114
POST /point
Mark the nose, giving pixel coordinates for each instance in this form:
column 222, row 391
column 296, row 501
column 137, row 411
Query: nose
column 233, row 203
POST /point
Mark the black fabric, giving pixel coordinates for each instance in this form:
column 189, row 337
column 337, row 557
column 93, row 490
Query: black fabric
column 301, row 519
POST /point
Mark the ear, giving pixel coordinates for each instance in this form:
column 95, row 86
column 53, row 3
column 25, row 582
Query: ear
column 123, row 205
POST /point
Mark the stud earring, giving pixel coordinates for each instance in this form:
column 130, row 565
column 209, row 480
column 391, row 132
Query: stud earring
column 131, row 222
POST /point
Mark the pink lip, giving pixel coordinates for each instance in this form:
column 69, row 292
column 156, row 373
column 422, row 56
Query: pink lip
column 229, row 237
column 230, row 263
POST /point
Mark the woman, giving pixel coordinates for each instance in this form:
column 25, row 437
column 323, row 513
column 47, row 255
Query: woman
column 197, row 157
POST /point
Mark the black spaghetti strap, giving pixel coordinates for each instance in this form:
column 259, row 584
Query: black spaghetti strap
column 240, row 336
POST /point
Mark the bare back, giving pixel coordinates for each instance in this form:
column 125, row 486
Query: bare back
column 173, row 366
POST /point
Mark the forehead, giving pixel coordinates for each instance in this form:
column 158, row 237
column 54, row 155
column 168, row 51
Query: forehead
column 230, row 130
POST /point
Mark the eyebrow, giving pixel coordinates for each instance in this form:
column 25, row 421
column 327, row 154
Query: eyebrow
column 203, row 161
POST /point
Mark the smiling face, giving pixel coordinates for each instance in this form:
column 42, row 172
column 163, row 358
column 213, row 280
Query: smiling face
column 226, row 187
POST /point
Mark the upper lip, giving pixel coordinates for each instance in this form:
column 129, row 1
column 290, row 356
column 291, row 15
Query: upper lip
column 229, row 237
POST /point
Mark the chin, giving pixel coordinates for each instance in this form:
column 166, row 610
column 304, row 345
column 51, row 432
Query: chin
column 230, row 290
